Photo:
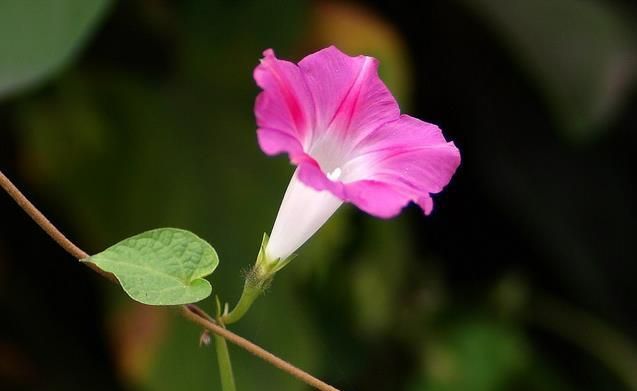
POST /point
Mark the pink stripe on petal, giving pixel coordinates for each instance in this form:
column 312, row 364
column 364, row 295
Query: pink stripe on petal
column 349, row 97
column 285, row 103
column 405, row 132
column 411, row 156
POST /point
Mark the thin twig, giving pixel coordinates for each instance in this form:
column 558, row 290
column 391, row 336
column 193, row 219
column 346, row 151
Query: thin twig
column 40, row 219
column 190, row 311
column 48, row 227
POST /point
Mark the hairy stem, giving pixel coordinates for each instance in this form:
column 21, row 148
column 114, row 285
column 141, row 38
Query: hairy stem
column 190, row 311
column 248, row 296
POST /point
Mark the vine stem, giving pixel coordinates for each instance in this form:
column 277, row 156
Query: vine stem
column 248, row 296
column 225, row 365
column 189, row 311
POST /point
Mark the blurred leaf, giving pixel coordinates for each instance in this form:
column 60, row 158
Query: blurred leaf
column 38, row 37
column 378, row 275
column 164, row 266
column 136, row 333
column 474, row 355
column 179, row 362
column 581, row 53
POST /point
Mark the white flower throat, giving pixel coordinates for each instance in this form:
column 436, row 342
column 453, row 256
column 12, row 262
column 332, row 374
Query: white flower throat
column 303, row 211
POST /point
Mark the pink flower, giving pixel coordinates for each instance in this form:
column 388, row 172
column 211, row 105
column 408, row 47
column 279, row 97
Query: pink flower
column 343, row 130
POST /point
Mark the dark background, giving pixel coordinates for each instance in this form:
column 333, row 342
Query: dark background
column 117, row 117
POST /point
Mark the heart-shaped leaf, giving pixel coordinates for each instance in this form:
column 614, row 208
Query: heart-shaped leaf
column 163, row 266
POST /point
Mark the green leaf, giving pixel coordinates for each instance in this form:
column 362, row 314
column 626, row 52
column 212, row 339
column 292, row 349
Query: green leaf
column 38, row 37
column 163, row 266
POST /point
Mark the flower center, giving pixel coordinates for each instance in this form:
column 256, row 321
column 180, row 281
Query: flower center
column 335, row 174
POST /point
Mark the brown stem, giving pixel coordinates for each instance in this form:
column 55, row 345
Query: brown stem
column 190, row 311
column 47, row 226
column 40, row 219
column 257, row 351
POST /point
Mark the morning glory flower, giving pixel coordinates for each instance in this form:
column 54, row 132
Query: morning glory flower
column 343, row 130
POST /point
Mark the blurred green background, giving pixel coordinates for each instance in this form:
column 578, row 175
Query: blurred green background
column 121, row 116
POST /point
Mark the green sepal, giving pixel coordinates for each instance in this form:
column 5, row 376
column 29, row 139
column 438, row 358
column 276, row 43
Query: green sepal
column 265, row 268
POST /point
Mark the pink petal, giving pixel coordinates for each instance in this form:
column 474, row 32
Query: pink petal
column 350, row 99
column 410, row 156
column 426, row 204
column 274, row 142
column 285, row 105
column 376, row 198
column 310, row 173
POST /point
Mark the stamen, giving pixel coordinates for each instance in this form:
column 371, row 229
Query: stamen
column 334, row 175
